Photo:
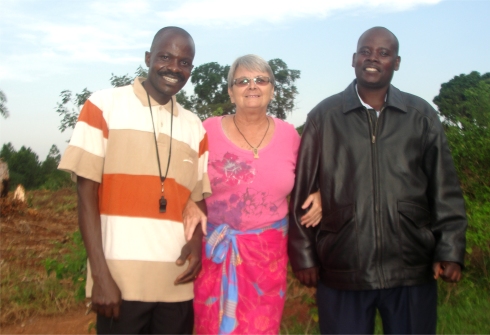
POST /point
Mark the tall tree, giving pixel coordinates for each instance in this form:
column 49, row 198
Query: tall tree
column 69, row 108
column 118, row 81
column 25, row 169
column 210, row 96
column 7, row 151
column 53, row 178
column 464, row 103
column 285, row 91
column 452, row 100
column 211, row 90
column 3, row 107
column 52, row 160
column 210, row 85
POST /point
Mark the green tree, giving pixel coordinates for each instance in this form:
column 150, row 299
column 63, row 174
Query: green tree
column 184, row 100
column 52, row 160
column 118, row 81
column 452, row 100
column 210, row 96
column 24, row 168
column 69, row 108
column 3, row 108
column 7, row 151
column 464, row 103
column 210, row 85
column 54, row 179
column 211, row 90
column 285, row 91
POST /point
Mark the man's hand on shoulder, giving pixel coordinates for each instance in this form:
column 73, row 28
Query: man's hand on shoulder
column 448, row 271
column 308, row 277
column 192, row 252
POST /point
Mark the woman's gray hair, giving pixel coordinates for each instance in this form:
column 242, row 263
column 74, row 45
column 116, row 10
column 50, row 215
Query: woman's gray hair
column 251, row 63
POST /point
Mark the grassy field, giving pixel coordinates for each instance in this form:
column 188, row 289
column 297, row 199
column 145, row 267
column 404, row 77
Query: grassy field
column 41, row 236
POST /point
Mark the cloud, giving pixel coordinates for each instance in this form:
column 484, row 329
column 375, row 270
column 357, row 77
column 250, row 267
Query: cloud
column 226, row 12
column 35, row 40
column 41, row 38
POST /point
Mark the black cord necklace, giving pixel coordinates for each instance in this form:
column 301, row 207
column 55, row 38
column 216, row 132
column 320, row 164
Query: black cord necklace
column 163, row 201
column 255, row 150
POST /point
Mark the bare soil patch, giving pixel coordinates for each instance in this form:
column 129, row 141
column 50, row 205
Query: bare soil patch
column 29, row 232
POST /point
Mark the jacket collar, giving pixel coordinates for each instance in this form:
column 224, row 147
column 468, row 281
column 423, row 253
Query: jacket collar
column 351, row 100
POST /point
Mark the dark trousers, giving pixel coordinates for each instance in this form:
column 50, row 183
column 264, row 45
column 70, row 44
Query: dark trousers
column 403, row 310
column 138, row 317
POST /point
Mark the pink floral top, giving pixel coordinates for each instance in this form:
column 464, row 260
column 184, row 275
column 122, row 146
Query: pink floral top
column 250, row 193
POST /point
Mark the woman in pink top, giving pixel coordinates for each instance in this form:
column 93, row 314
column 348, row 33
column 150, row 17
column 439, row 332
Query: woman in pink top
column 241, row 288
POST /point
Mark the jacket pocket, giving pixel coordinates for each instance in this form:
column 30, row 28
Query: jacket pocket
column 337, row 242
column 417, row 240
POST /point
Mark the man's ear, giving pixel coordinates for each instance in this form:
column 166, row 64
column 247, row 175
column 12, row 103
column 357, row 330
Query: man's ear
column 354, row 59
column 397, row 62
column 147, row 58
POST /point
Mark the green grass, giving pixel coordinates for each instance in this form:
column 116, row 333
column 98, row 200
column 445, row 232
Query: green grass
column 464, row 308
column 24, row 293
column 70, row 263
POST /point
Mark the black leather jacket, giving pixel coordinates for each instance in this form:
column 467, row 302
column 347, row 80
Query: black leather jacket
column 391, row 200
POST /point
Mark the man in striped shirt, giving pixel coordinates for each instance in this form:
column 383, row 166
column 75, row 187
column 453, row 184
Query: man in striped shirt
column 138, row 158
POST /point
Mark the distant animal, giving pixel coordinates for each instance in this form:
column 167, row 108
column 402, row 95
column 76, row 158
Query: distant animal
column 20, row 193
column 4, row 178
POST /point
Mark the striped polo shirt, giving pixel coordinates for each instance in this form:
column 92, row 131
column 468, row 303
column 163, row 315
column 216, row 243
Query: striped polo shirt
column 113, row 143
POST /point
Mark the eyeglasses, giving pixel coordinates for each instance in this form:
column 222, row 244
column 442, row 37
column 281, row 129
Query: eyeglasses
column 244, row 81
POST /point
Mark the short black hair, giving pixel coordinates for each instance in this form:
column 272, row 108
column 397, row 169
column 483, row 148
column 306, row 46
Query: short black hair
column 164, row 30
column 397, row 44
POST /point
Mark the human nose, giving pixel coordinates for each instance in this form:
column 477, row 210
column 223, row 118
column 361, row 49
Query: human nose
column 252, row 84
column 373, row 57
column 174, row 65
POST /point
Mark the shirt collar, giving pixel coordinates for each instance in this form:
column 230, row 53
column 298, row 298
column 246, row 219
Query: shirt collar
column 365, row 104
column 141, row 94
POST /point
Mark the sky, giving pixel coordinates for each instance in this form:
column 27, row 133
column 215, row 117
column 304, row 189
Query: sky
column 47, row 46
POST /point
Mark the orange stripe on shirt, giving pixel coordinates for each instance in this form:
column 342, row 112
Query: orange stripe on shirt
column 203, row 145
column 139, row 196
column 92, row 115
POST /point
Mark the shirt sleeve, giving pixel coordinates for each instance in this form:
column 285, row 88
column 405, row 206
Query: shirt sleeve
column 85, row 154
column 202, row 189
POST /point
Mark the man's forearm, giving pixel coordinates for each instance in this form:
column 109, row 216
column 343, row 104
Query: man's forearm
column 90, row 225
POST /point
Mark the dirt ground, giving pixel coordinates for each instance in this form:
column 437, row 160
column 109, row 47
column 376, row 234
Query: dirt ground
column 73, row 322
column 28, row 233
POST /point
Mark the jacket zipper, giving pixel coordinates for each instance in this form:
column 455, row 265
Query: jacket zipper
column 374, row 132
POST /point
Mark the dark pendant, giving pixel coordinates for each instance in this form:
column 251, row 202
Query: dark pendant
column 163, row 204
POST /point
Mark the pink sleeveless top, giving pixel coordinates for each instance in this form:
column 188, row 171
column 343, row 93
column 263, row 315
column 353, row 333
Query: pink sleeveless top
column 250, row 193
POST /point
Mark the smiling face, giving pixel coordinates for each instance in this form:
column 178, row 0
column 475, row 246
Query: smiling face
column 376, row 59
column 170, row 64
column 252, row 96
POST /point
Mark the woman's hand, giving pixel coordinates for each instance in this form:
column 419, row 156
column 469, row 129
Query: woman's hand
column 193, row 215
column 314, row 214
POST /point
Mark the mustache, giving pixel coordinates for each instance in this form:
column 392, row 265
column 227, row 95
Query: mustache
column 172, row 74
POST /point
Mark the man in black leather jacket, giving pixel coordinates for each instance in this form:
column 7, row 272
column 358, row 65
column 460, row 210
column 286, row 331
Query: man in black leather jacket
column 393, row 212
